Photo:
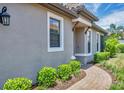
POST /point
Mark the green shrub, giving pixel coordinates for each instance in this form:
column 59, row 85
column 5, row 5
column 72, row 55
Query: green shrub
column 100, row 56
column 64, row 71
column 120, row 74
column 75, row 66
column 120, row 48
column 110, row 46
column 18, row 84
column 118, row 86
column 47, row 76
column 107, row 55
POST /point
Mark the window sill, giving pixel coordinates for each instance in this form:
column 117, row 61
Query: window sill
column 83, row 54
column 55, row 49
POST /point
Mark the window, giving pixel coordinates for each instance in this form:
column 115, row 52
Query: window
column 89, row 41
column 98, row 41
column 55, row 33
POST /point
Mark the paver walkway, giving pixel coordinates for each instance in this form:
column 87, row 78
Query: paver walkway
column 95, row 78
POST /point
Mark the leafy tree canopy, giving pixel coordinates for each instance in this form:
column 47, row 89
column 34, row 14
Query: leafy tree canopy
column 116, row 31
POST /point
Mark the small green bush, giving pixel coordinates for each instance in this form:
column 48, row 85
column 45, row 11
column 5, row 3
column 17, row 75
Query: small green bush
column 100, row 56
column 18, row 84
column 107, row 55
column 47, row 76
column 64, row 71
column 120, row 48
column 75, row 66
column 118, row 86
column 110, row 46
column 120, row 74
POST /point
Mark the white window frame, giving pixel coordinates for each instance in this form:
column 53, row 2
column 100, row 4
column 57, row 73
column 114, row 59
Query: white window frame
column 98, row 42
column 61, row 48
column 90, row 43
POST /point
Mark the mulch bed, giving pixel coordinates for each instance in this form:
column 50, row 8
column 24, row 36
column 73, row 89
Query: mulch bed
column 64, row 85
column 114, row 80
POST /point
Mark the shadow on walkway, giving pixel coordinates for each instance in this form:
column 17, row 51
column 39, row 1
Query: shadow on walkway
column 88, row 65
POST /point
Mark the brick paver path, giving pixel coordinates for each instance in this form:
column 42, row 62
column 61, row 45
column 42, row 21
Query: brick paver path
column 96, row 79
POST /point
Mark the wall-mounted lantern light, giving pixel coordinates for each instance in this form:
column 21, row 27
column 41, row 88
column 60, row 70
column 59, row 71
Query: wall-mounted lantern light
column 4, row 17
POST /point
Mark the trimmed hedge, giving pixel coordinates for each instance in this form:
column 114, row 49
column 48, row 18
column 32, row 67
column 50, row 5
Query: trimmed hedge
column 64, row 71
column 19, row 83
column 100, row 56
column 75, row 66
column 47, row 76
column 120, row 48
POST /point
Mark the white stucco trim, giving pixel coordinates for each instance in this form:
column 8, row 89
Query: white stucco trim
column 61, row 48
column 83, row 54
column 82, row 21
column 99, row 42
column 90, row 42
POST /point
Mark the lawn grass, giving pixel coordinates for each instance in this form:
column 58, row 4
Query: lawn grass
column 116, row 66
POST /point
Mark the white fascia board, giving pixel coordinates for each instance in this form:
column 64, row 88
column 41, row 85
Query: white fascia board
column 83, row 21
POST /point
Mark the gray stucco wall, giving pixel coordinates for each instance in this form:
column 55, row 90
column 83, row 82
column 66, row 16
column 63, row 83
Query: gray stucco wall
column 23, row 44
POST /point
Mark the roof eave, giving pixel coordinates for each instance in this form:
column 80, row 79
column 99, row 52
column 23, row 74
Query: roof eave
column 99, row 29
column 84, row 12
column 91, row 15
column 60, row 9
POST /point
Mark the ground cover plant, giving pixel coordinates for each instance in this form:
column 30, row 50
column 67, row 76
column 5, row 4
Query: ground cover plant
column 116, row 62
column 116, row 66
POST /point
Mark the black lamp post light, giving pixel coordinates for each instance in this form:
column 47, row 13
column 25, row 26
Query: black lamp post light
column 4, row 17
